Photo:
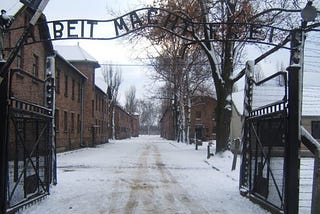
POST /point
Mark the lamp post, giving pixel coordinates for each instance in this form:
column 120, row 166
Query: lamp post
column 295, row 71
column 5, row 22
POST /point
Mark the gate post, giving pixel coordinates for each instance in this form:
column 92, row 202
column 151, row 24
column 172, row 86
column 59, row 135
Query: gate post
column 3, row 142
column 292, row 159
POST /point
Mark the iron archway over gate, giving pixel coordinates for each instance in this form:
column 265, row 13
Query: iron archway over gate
column 178, row 24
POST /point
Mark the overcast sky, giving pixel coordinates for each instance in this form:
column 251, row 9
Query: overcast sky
column 115, row 51
column 119, row 52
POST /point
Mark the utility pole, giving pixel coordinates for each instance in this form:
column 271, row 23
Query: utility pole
column 295, row 70
column 292, row 167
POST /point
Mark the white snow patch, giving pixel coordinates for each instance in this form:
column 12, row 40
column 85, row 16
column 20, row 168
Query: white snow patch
column 104, row 180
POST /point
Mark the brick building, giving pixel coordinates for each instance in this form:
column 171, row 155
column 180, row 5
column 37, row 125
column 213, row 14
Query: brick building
column 101, row 117
column 122, row 121
column 93, row 115
column 203, row 117
column 27, row 72
column 126, row 125
column 81, row 110
column 69, row 82
column 135, row 125
column 80, row 116
column 202, row 122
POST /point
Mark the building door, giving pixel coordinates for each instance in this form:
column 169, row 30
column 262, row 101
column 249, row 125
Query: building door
column 198, row 131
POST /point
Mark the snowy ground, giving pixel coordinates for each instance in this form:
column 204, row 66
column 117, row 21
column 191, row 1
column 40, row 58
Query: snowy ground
column 145, row 175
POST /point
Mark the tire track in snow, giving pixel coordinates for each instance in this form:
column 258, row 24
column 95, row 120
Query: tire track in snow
column 152, row 189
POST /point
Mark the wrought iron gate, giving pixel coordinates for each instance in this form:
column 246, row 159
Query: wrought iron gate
column 29, row 145
column 264, row 140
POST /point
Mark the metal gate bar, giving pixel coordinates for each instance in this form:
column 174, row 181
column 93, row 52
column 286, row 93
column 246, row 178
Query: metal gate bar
column 28, row 145
column 262, row 174
column 30, row 177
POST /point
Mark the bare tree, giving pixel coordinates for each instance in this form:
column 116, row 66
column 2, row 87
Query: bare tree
column 184, row 69
column 148, row 114
column 113, row 77
column 225, row 51
column 131, row 105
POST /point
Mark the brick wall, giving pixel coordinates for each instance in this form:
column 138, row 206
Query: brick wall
column 27, row 72
column 68, row 115
column 203, row 117
column 122, row 122
column 89, row 122
column 78, row 122
column 101, row 116
column 135, row 125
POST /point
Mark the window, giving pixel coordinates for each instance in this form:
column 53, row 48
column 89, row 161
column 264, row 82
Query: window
column 315, row 129
column 79, row 92
column 35, row 65
column 198, row 115
column 72, row 90
column 65, row 85
column 72, row 122
column 65, row 120
column 56, row 119
column 58, row 81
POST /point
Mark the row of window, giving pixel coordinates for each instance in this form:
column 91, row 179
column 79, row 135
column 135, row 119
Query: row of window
column 75, row 86
column 35, row 62
column 74, row 125
column 100, row 104
column 198, row 115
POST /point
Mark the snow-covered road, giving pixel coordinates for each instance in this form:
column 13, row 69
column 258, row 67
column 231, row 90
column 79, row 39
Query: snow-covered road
column 145, row 175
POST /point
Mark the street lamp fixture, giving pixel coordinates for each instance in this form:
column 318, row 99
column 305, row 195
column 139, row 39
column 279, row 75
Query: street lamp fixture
column 5, row 22
column 309, row 13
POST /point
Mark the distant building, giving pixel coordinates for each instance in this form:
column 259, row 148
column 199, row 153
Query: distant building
column 135, row 126
column 126, row 125
column 202, row 121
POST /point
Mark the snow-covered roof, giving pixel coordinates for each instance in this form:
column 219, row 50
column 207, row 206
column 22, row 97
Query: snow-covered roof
column 311, row 101
column 267, row 94
column 72, row 66
column 75, row 53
